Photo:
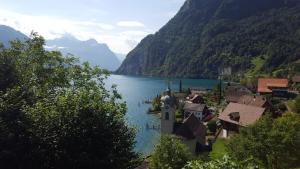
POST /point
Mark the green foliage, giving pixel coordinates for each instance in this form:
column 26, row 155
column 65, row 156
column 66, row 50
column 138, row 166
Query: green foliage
column 291, row 104
column 212, row 126
column 257, row 65
column 297, row 104
column 272, row 143
column 57, row 114
column 218, row 149
column 240, row 33
column 170, row 153
column 223, row 163
column 156, row 103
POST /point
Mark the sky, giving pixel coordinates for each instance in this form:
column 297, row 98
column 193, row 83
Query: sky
column 121, row 24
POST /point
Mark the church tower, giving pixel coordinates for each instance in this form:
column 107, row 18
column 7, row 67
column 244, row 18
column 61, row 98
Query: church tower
column 168, row 110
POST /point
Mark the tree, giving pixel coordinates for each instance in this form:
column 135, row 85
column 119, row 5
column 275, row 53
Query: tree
column 224, row 163
column 57, row 114
column 170, row 153
column 273, row 143
column 156, row 103
column 297, row 104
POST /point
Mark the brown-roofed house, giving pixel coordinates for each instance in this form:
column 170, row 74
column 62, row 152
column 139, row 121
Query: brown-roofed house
column 196, row 99
column 296, row 79
column 192, row 132
column 258, row 101
column 238, row 115
column 199, row 110
column 278, row 87
column 234, row 93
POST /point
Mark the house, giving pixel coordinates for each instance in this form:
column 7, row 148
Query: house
column 197, row 99
column 258, row 101
column 199, row 110
column 296, row 79
column 238, row 115
column 234, row 93
column 191, row 131
column 181, row 97
column 276, row 87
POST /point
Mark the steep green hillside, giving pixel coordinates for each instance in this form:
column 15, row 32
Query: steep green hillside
column 208, row 35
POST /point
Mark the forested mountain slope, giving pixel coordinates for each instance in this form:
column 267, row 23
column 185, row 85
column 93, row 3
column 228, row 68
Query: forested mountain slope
column 208, row 35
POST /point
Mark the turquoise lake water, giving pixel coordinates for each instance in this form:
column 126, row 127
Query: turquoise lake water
column 135, row 90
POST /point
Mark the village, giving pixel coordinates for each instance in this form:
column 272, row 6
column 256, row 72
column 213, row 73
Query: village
column 204, row 119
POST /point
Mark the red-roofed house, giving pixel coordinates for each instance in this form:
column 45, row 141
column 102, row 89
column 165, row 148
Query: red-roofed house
column 277, row 87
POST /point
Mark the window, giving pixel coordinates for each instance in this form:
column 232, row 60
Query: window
column 167, row 116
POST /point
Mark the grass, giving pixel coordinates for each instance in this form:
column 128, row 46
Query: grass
column 291, row 104
column 218, row 149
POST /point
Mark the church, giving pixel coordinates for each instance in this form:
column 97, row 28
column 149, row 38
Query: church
column 191, row 131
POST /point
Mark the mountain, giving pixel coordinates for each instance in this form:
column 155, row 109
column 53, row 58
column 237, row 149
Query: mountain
column 93, row 52
column 8, row 34
column 121, row 56
column 207, row 36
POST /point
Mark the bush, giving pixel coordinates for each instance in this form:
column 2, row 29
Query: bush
column 212, row 126
column 273, row 143
column 170, row 153
column 223, row 163
column 297, row 104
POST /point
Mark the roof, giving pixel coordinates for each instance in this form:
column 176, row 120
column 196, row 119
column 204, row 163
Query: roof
column 190, row 128
column 296, row 79
column 265, row 84
column 193, row 107
column 247, row 114
column 234, row 93
column 258, row 101
column 169, row 100
column 180, row 95
column 196, row 97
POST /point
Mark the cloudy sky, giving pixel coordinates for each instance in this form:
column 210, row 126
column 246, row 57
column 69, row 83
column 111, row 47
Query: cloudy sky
column 119, row 23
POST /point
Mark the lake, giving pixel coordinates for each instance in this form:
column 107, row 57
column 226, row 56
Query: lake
column 135, row 90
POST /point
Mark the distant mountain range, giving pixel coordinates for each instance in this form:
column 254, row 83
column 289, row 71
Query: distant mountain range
column 120, row 56
column 207, row 36
column 7, row 34
column 95, row 53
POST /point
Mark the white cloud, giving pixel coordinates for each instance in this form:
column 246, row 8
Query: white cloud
column 130, row 24
column 51, row 27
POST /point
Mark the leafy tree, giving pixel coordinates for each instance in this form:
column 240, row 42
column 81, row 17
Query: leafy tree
column 273, row 143
column 57, row 114
column 297, row 104
column 224, row 163
column 170, row 153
